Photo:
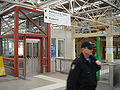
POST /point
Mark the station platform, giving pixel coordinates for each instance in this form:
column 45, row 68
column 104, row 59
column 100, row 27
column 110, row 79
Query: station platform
column 48, row 81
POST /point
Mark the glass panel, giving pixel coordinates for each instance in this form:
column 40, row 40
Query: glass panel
column 26, row 26
column 32, row 47
column 9, row 71
column 60, row 48
column 35, row 49
column 29, row 49
column 20, row 48
column 9, row 63
column 8, row 47
column 53, row 47
column 7, row 23
column 53, row 41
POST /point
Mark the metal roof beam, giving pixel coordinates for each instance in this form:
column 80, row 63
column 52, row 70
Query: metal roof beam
column 95, row 10
column 42, row 4
column 111, row 4
column 18, row 3
column 90, row 20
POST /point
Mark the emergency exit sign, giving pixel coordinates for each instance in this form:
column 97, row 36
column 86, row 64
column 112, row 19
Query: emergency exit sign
column 56, row 17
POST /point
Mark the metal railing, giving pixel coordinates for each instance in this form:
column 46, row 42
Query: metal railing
column 104, row 72
column 62, row 65
column 109, row 72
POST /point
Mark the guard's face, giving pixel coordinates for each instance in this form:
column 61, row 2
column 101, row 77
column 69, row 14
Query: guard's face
column 88, row 51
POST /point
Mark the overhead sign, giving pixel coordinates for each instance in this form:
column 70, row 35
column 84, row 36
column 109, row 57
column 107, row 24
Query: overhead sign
column 2, row 69
column 56, row 17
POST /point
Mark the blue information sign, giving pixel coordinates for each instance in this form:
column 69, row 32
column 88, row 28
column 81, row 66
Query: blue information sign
column 53, row 50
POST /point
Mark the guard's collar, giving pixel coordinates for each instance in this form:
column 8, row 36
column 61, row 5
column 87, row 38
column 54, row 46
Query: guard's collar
column 83, row 58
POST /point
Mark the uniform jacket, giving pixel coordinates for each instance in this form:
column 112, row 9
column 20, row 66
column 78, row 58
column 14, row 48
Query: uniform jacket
column 82, row 73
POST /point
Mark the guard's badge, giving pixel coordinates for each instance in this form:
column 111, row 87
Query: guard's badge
column 73, row 66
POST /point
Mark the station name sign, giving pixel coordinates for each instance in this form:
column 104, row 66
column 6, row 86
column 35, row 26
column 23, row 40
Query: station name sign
column 56, row 17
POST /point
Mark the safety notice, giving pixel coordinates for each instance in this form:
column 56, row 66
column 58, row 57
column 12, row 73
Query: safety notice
column 2, row 69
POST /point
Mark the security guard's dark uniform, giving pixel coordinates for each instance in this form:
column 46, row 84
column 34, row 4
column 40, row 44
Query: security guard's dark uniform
column 82, row 75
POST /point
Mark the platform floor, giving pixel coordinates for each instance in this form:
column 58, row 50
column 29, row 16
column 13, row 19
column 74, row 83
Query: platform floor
column 49, row 81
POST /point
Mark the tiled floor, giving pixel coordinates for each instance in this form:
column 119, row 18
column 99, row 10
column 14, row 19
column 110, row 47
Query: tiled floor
column 49, row 81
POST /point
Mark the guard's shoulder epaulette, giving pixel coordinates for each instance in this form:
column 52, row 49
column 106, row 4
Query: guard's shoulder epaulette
column 77, row 59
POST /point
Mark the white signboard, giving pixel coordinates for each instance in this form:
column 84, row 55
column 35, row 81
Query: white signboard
column 56, row 17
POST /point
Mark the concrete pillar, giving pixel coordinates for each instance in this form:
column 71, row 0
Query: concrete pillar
column 109, row 39
column 73, row 49
column 109, row 49
column 73, row 44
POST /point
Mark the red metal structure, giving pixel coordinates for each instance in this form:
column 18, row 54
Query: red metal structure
column 12, row 22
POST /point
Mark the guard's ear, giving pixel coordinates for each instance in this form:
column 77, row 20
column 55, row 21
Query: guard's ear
column 83, row 49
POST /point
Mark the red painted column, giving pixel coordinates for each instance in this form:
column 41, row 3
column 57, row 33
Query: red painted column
column 24, row 50
column 16, row 27
column 24, row 56
column 0, row 39
column 41, row 52
column 48, row 47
